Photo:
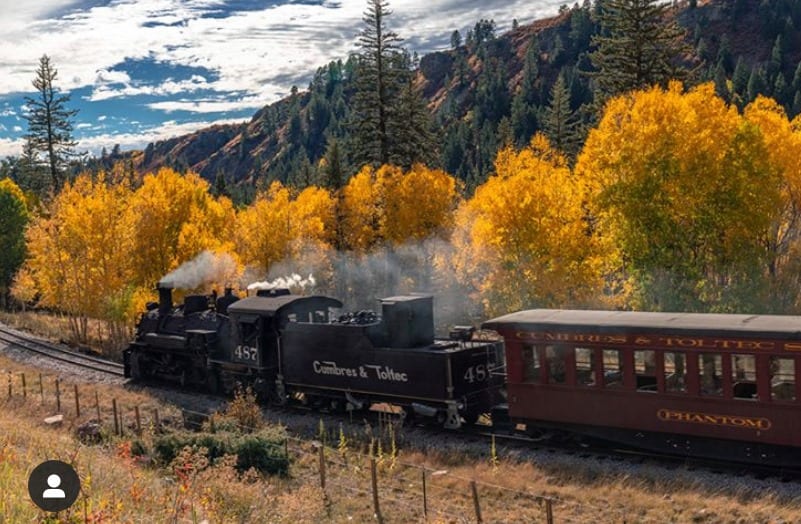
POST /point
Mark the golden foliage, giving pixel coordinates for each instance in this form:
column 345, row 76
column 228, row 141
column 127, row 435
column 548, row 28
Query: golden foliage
column 523, row 238
column 80, row 254
column 387, row 205
column 277, row 227
column 783, row 237
column 175, row 219
column 681, row 185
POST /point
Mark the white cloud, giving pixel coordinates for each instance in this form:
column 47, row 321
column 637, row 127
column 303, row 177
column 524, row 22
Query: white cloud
column 212, row 105
column 9, row 147
column 112, row 77
column 168, row 87
column 245, row 50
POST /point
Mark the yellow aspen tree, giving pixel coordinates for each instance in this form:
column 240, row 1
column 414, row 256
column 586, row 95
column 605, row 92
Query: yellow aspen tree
column 362, row 208
column 783, row 236
column 264, row 229
column 523, row 239
column 681, row 185
column 81, row 252
column 418, row 204
column 175, row 219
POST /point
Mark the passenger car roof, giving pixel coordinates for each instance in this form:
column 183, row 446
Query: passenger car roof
column 767, row 326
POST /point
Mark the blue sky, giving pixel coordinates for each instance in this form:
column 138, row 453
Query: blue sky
column 144, row 70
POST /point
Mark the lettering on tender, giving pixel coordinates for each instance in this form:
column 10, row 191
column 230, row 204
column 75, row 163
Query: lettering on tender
column 377, row 372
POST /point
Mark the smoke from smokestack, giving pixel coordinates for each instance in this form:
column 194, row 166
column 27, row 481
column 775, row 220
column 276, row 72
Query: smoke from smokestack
column 293, row 281
column 206, row 268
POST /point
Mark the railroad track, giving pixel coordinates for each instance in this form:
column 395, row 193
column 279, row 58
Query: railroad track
column 58, row 353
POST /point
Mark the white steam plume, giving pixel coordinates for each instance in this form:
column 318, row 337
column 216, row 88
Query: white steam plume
column 206, row 268
column 292, row 281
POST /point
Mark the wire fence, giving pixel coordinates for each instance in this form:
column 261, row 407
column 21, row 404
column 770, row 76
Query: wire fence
column 376, row 481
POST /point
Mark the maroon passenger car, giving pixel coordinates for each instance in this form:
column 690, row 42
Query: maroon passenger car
column 707, row 385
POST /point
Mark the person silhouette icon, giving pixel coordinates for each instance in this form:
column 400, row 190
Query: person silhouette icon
column 53, row 485
column 54, row 481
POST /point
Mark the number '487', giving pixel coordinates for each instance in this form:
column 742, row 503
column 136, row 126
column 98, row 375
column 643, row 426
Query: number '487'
column 246, row 353
column 477, row 373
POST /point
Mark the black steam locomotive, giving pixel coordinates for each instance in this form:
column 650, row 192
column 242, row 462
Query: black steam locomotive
column 292, row 348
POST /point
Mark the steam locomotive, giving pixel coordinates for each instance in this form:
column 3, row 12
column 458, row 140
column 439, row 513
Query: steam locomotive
column 292, row 348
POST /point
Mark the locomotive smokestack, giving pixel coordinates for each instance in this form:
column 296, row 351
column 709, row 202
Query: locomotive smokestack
column 165, row 297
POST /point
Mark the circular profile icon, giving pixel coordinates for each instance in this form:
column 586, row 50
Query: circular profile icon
column 54, row 485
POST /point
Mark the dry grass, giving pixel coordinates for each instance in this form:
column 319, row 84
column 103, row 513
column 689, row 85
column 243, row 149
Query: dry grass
column 121, row 487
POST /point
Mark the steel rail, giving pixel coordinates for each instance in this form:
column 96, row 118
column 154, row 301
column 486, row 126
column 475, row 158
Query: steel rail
column 61, row 354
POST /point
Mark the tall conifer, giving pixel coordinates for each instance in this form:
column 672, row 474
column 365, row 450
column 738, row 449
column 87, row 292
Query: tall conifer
column 637, row 47
column 50, row 123
column 378, row 86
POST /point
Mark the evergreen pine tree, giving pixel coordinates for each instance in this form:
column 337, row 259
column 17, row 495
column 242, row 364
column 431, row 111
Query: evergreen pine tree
column 796, row 107
column 776, row 59
column 32, row 172
column 50, row 123
column 796, row 85
column 722, row 82
column 333, row 173
column 378, row 85
column 740, row 78
column 559, row 122
column 411, row 129
column 756, row 84
column 456, row 39
column 636, row 48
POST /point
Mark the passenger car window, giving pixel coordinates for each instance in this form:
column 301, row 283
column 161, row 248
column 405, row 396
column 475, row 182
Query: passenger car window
column 531, row 364
column 645, row 370
column 585, row 366
column 556, row 357
column 711, row 371
column 675, row 371
column 782, row 378
column 613, row 369
column 743, row 372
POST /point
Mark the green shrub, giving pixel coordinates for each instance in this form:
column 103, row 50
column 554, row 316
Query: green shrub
column 260, row 452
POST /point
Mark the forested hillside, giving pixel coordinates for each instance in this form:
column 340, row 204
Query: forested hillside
column 490, row 90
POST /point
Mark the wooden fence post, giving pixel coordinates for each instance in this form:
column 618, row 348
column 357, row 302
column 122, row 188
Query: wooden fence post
column 374, row 476
column 138, row 420
column 116, row 421
column 97, row 408
column 77, row 401
column 322, row 467
column 41, row 388
column 549, row 511
column 157, row 423
column 24, row 387
column 475, row 501
column 58, row 397
column 9, row 384
column 425, row 496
